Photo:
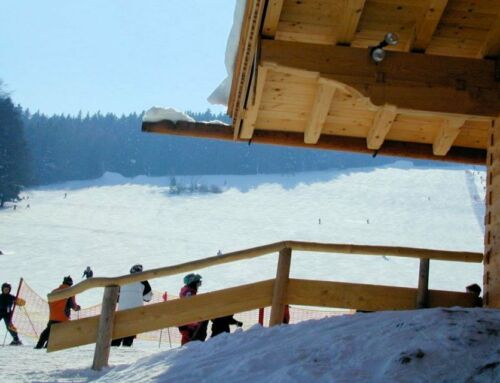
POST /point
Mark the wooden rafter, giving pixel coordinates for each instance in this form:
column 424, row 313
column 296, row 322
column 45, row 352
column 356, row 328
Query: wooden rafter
column 319, row 112
column 491, row 45
column 329, row 142
column 272, row 17
column 427, row 24
column 253, row 111
column 406, row 80
column 352, row 10
column 448, row 132
column 381, row 126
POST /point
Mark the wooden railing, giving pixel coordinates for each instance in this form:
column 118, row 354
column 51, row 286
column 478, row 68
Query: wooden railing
column 275, row 293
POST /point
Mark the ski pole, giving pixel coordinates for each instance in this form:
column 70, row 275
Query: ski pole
column 159, row 342
column 169, row 340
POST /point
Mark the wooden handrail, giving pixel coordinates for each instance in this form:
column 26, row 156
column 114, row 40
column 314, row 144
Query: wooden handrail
column 254, row 252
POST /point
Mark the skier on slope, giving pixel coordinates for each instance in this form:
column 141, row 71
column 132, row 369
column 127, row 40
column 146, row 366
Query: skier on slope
column 60, row 311
column 132, row 295
column 88, row 273
column 195, row 330
column 7, row 302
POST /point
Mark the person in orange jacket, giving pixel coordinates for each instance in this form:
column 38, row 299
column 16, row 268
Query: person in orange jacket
column 60, row 311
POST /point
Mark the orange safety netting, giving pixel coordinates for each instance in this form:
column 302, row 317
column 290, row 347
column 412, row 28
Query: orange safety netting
column 31, row 319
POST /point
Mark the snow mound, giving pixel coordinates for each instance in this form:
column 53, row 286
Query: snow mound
column 434, row 345
column 156, row 114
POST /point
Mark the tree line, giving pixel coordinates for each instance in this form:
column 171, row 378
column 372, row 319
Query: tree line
column 36, row 149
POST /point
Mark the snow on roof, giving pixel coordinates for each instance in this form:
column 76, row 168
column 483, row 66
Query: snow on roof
column 156, row 114
column 221, row 94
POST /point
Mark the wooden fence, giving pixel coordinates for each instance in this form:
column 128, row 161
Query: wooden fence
column 275, row 293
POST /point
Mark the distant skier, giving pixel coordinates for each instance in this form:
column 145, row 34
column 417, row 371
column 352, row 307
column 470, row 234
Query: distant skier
column 7, row 303
column 219, row 252
column 60, row 311
column 65, row 195
column 14, row 207
column 88, row 273
column 319, row 221
column 194, row 330
column 220, row 325
column 132, row 295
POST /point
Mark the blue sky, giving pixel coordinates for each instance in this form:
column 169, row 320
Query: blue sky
column 117, row 56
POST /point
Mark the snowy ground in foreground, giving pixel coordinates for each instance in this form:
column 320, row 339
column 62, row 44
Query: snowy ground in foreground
column 435, row 345
column 113, row 222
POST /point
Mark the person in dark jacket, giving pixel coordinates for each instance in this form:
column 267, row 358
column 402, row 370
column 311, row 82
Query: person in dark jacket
column 220, row 325
column 7, row 302
column 88, row 273
column 60, row 311
column 476, row 291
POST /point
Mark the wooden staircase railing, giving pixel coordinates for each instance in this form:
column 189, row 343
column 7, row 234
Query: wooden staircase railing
column 275, row 293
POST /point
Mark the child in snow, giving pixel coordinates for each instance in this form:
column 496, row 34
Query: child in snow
column 132, row 295
column 88, row 273
column 220, row 325
column 7, row 302
column 60, row 311
column 195, row 330
column 476, row 290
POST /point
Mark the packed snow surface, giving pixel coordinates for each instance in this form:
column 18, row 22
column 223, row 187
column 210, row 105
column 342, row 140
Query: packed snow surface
column 113, row 222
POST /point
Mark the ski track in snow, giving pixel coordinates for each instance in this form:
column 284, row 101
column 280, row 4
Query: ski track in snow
column 114, row 222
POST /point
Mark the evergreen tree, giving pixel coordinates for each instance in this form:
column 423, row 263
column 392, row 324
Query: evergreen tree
column 14, row 167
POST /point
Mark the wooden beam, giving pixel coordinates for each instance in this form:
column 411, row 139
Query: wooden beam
column 166, row 271
column 319, row 112
column 272, row 18
column 105, row 330
column 245, row 59
column 381, row 126
column 423, row 284
column 491, row 45
column 326, row 142
column 352, row 10
column 406, row 80
column 253, row 111
column 448, row 132
column 165, row 314
column 280, row 287
column 367, row 297
column 426, row 26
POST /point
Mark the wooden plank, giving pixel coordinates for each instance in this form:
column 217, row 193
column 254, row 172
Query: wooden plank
column 491, row 44
column 448, row 132
column 367, row 297
column 105, row 330
column 280, row 287
column 352, row 10
column 423, row 284
column 272, row 17
column 327, row 142
column 407, row 80
column 426, row 26
column 165, row 314
column 319, row 112
column 253, row 110
column 166, row 271
column 381, row 126
column 443, row 255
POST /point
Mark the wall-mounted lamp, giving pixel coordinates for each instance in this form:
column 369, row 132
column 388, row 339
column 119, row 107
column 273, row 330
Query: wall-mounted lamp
column 378, row 53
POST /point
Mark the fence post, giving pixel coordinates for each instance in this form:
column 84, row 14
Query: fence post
column 423, row 284
column 280, row 286
column 105, row 330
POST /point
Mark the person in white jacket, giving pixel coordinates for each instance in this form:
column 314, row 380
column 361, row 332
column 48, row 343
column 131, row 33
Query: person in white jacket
column 132, row 295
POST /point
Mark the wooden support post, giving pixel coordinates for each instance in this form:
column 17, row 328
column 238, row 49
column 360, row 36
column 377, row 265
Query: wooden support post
column 280, row 286
column 423, row 284
column 105, row 331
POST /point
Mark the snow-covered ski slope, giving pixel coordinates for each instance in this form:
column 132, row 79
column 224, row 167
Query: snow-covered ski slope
column 112, row 223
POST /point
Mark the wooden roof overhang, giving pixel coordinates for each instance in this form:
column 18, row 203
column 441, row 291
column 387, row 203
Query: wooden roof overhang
column 304, row 77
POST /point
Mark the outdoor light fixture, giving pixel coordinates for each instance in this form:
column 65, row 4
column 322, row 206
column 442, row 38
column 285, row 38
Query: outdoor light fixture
column 378, row 53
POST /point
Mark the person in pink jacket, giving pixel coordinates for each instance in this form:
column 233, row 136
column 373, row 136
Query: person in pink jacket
column 195, row 330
